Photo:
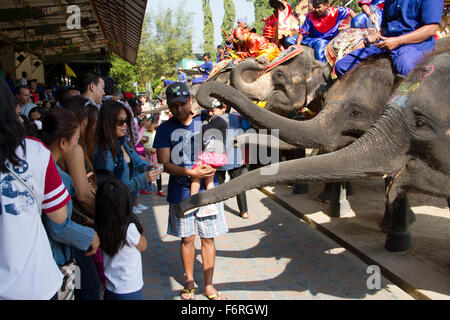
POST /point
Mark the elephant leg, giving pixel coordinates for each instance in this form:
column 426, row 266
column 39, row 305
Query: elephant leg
column 300, row 187
column 349, row 188
column 399, row 238
column 339, row 206
column 327, row 193
column 386, row 223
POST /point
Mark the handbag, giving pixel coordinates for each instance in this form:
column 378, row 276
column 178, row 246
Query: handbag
column 67, row 290
column 79, row 214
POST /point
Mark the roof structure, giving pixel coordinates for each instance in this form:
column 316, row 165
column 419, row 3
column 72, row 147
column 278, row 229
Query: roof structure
column 50, row 30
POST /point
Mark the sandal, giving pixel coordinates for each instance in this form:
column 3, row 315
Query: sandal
column 216, row 296
column 188, row 294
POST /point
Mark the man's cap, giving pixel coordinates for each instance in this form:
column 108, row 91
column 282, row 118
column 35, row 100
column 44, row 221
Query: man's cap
column 177, row 92
column 216, row 104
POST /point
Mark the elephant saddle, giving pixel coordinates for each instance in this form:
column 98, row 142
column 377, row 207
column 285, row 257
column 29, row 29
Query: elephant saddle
column 220, row 67
column 284, row 56
column 345, row 42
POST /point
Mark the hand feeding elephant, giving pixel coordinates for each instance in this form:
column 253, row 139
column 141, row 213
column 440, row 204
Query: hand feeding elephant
column 410, row 141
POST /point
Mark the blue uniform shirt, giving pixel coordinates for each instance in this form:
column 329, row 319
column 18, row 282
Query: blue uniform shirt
column 207, row 67
column 404, row 16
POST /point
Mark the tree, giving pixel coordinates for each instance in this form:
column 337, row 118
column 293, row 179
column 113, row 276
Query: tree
column 166, row 39
column 208, row 29
column 262, row 11
column 229, row 17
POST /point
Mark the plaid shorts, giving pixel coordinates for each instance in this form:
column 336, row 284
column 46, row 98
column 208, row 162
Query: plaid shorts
column 208, row 227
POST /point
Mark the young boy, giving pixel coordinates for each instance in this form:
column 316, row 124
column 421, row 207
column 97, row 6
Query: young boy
column 320, row 27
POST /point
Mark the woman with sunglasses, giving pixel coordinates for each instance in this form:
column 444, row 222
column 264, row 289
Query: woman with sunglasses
column 115, row 152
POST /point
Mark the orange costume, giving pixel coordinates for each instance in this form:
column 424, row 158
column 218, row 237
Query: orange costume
column 253, row 45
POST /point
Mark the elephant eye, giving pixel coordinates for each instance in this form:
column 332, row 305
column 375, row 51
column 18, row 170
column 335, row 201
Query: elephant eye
column 355, row 113
column 420, row 123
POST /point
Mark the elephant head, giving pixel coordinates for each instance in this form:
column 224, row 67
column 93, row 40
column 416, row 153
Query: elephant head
column 352, row 105
column 290, row 86
column 410, row 141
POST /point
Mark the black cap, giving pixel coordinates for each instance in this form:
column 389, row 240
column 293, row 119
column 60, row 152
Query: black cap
column 177, row 92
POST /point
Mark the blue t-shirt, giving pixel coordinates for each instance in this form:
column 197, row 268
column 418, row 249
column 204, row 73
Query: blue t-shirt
column 185, row 143
column 182, row 77
column 404, row 16
column 206, row 68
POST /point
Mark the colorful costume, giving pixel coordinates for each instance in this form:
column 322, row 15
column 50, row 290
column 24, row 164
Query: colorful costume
column 362, row 20
column 254, row 45
column 319, row 31
column 282, row 23
column 400, row 17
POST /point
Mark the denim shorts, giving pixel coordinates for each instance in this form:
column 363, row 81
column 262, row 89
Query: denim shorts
column 208, row 227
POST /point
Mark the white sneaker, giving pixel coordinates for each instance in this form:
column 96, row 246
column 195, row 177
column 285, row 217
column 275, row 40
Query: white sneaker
column 141, row 207
column 136, row 211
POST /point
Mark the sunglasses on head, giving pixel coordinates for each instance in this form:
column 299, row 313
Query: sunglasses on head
column 121, row 122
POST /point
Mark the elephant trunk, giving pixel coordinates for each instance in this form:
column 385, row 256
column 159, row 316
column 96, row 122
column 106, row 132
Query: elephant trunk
column 306, row 134
column 381, row 150
column 247, row 78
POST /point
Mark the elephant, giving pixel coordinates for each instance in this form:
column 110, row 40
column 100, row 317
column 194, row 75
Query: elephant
column 410, row 142
column 294, row 84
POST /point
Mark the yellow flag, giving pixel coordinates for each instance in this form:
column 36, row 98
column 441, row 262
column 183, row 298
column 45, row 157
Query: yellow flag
column 69, row 71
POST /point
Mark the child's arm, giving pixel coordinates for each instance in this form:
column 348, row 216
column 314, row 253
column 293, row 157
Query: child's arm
column 142, row 245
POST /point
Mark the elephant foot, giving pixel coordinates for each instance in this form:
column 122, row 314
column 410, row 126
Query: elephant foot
column 399, row 241
column 349, row 188
column 328, row 192
column 300, row 188
column 340, row 209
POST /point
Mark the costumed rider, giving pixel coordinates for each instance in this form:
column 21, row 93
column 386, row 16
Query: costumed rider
column 281, row 24
column 371, row 16
column 320, row 27
column 205, row 68
column 250, row 44
column 407, row 31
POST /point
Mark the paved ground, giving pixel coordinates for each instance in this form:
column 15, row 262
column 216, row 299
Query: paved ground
column 272, row 255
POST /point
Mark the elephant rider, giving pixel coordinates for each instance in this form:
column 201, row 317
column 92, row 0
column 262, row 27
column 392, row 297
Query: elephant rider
column 250, row 44
column 407, row 31
column 371, row 16
column 205, row 68
column 320, row 27
column 282, row 23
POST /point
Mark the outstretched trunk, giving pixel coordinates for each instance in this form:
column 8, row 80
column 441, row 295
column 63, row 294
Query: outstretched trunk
column 381, row 150
column 312, row 133
column 248, row 78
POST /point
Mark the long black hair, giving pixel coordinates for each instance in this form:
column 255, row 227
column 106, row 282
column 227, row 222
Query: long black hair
column 105, row 138
column 12, row 132
column 113, row 215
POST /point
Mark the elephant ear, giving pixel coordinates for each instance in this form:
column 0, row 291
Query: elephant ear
column 317, row 80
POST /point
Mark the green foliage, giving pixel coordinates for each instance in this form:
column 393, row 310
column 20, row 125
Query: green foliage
column 166, row 39
column 229, row 17
column 262, row 11
column 341, row 3
column 123, row 73
column 208, row 29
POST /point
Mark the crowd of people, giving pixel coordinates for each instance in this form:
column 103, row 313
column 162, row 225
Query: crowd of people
column 73, row 165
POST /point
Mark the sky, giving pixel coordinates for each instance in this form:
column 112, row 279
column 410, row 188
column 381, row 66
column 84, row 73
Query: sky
column 243, row 8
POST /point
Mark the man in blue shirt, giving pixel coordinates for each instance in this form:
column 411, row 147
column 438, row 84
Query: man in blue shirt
column 178, row 142
column 407, row 32
column 320, row 27
column 181, row 76
column 205, row 68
